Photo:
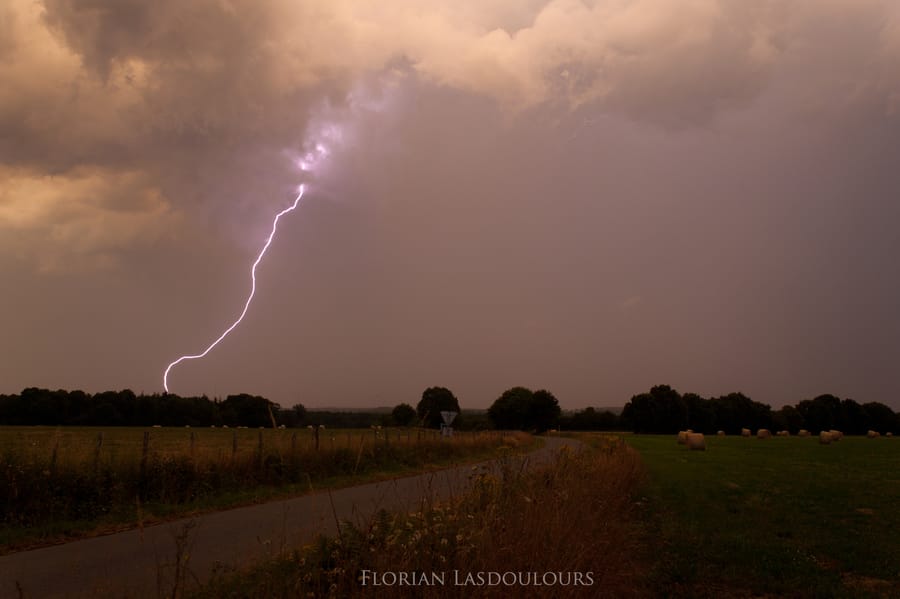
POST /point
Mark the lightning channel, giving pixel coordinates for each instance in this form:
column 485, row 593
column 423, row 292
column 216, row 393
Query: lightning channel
column 249, row 298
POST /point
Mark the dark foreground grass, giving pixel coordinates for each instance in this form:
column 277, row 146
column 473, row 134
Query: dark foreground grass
column 569, row 522
column 776, row 517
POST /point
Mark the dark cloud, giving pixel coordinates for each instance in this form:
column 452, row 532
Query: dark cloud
column 591, row 197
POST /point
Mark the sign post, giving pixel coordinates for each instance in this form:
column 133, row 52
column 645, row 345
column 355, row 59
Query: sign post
column 446, row 429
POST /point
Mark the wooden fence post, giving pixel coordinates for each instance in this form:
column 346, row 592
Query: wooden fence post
column 145, row 451
column 259, row 452
column 55, row 454
column 97, row 450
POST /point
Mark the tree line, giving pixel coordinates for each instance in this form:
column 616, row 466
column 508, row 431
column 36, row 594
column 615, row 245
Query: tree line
column 661, row 410
column 665, row 410
column 34, row 406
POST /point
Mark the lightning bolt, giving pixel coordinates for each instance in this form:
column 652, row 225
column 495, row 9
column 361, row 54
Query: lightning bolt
column 249, row 298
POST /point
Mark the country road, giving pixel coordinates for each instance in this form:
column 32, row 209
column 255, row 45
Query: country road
column 141, row 563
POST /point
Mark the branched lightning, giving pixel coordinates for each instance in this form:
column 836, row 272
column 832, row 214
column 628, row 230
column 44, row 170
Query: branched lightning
column 249, row 298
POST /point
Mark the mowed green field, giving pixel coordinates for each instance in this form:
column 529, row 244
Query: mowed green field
column 780, row 516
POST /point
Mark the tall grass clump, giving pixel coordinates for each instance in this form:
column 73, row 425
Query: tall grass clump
column 572, row 515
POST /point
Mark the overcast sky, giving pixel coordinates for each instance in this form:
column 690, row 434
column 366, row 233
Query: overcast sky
column 590, row 197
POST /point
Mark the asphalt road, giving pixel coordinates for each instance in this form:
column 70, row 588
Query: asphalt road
column 142, row 563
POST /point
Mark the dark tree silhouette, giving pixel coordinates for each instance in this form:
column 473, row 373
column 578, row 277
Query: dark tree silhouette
column 510, row 410
column 434, row 401
column 662, row 410
column 882, row 418
column 403, row 414
column 521, row 409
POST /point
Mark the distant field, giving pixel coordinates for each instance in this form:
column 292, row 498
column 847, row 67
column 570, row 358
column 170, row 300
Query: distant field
column 69, row 481
column 781, row 516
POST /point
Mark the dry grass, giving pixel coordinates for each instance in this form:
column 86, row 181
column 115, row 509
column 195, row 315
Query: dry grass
column 573, row 515
column 60, row 481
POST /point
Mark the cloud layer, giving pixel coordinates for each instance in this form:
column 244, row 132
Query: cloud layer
column 201, row 98
column 619, row 138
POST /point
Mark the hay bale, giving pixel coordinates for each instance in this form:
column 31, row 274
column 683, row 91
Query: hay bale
column 873, row 434
column 745, row 432
column 836, row 435
column 763, row 433
column 783, row 433
column 825, row 438
column 682, row 437
column 721, row 433
column 888, row 434
column 803, row 433
column 696, row 442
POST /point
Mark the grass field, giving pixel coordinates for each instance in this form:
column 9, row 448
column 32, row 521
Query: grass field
column 62, row 482
column 776, row 517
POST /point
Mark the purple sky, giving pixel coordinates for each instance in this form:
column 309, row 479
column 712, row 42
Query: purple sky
column 587, row 197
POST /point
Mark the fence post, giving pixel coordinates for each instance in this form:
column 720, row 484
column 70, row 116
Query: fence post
column 259, row 460
column 145, row 451
column 55, row 454
column 97, row 450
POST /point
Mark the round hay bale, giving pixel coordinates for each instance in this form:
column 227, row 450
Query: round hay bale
column 682, row 437
column 763, row 433
column 873, row 434
column 888, row 434
column 825, row 438
column 836, row 435
column 696, row 442
column 803, row 433
column 745, row 432
column 721, row 433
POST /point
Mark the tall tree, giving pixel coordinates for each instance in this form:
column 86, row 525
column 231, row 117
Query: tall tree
column 510, row 411
column 434, row 401
column 403, row 414
column 544, row 412
column 662, row 410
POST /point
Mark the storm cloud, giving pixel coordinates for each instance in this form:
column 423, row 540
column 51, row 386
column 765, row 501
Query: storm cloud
column 591, row 197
